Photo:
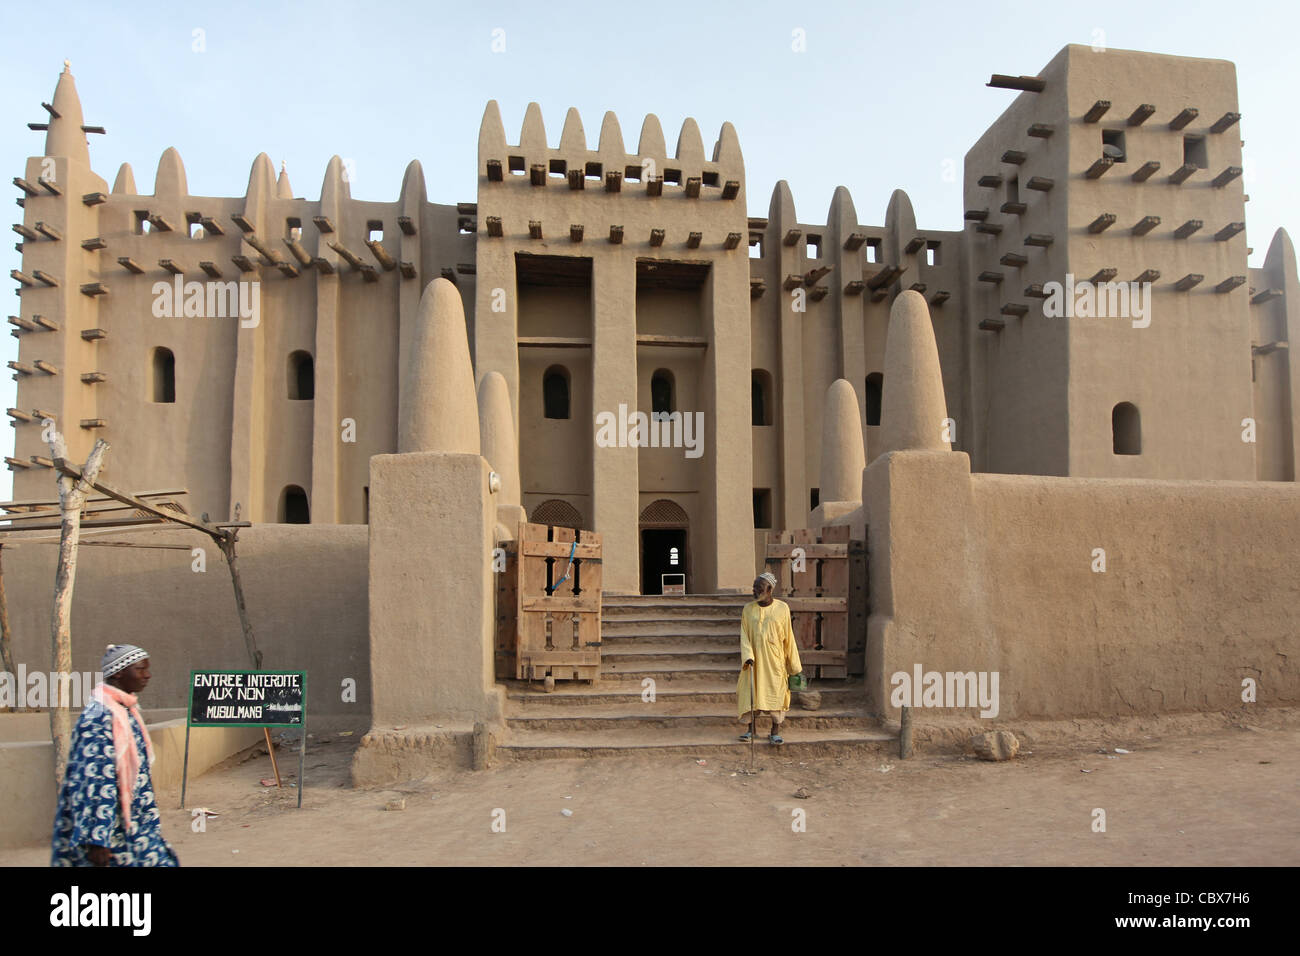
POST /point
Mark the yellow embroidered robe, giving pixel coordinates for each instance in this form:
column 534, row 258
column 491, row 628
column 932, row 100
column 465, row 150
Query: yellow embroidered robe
column 767, row 639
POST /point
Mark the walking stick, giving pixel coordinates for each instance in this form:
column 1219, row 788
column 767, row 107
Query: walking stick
column 753, row 715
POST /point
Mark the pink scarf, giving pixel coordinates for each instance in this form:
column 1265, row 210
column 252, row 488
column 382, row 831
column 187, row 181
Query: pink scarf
column 118, row 703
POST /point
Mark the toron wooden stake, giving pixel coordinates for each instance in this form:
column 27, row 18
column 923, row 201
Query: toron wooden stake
column 72, row 495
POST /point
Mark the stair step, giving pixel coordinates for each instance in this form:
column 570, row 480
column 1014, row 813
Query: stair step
column 523, row 700
column 682, row 674
column 602, row 719
column 705, row 612
column 677, row 643
column 687, row 627
column 718, row 745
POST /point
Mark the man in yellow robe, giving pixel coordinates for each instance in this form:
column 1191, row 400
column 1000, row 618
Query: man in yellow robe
column 768, row 657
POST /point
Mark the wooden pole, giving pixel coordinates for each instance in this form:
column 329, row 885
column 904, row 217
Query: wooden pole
column 72, row 495
column 6, row 640
column 227, row 543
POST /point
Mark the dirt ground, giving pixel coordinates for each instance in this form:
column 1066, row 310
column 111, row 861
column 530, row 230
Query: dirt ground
column 1227, row 794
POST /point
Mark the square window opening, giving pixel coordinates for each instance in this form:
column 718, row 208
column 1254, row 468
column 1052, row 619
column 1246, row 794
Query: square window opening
column 141, row 222
column 559, row 168
column 517, row 165
column 932, row 253
column 632, row 174
column 375, row 230
column 595, row 171
column 814, row 247
column 710, row 179
column 293, row 228
column 1013, row 189
column 875, row 251
column 756, row 247
column 195, row 222
column 762, row 508
column 673, row 176
column 1194, row 152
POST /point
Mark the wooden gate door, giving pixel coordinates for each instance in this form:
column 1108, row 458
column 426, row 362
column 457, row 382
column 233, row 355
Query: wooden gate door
column 556, row 585
column 824, row 580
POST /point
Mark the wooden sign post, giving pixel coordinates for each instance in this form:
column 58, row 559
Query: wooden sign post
column 263, row 699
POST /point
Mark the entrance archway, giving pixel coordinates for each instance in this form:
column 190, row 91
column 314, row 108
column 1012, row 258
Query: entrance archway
column 665, row 544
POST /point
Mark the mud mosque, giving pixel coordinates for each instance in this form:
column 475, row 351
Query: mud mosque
column 594, row 279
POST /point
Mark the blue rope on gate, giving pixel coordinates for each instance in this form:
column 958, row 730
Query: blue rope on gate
column 572, row 550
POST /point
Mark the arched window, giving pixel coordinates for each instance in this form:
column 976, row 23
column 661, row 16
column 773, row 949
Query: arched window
column 875, row 390
column 555, row 392
column 164, row 375
column 661, row 391
column 293, row 506
column 760, row 395
column 557, row 512
column 302, row 377
column 1126, row 429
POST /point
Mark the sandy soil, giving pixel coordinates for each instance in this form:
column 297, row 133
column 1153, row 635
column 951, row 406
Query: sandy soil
column 1226, row 797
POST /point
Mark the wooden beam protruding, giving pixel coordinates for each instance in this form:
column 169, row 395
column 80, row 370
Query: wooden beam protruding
column 732, row 240
column 1182, row 119
column 1188, row 281
column 731, row 189
column 791, row 237
column 243, row 263
column 1104, row 275
column 693, row 240
column 130, row 265
column 1147, row 276
column 616, row 235
column 1014, row 208
column 693, row 187
column 1041, row 239
column 1145, row 171
column 1096, row 111
column 1230, row 283
column 854, row 287
column 44, row 277
column 992, row 325
column 534, row 229
column 323, row 223
column 211, row 227
column 171, row 266
column 1141, row 114
column 26, row 231
column 1015, row 156
column 1230, row 230
column 1181, row 174
column 576, row 230
column 613, row 181
column 494, row 171
column 407, row 269
column 1041, row 130
column 537, row 174
column 93, row 244
column 813, row 276
column 348, row 256
column 1099, row 167
column 1265, row 295
column 989, row 275
column 1015, row 259
column 1145, row 225
column 1224, row 122
column 990, row 181
column 406, row 224
column 382, row 255
column 1188, row 228
column 854, row 241
column 756, row 287
column 1102, row 223
column 323, row 266
column 989, row 228
column 1035, row 291
column 1026, row 84
column 973, row 215
column 1018, row 309
column 26, row 324
column 940, row 297
column 1040, row 183
column 94, row 199
column 494, row 227
column 1219, row 181
column 914, row 245
column 297, row 250
column 49, row 232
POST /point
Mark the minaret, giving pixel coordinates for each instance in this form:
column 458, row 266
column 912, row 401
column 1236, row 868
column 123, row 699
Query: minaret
column 843, row 455
column 913, row 413
column 438, row 405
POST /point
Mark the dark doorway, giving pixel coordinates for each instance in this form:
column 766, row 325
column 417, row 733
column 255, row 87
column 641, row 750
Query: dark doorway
column 659, row 547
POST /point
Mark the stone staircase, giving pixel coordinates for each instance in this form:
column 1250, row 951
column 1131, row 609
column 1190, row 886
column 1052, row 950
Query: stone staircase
column 686, row 651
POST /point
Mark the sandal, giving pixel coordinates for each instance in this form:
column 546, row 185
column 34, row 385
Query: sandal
column 746, row 737
column 775, row 739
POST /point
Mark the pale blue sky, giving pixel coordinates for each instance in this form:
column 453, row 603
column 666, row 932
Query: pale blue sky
column 883, row 95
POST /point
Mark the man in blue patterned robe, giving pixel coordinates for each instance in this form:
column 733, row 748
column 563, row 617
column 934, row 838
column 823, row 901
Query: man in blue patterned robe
column 106, row 814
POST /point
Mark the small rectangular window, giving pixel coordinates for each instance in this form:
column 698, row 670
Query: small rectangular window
column 814, row 499
column 756, row 247
column 762, row 508
column 141, row 224
column 814, row 246
column 931, row 253
column 517, row 165
column 194, row 221
column 710, row 179
column 559, row 169
column 1194, row 151
column 875, row 251
column 1013, row 189
column 375, row 230
column 673, row 176
column 293, row 228
column 595, row 171
column 1112, row 144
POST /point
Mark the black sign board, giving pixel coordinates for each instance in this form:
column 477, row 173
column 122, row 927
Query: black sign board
column 247, row 698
